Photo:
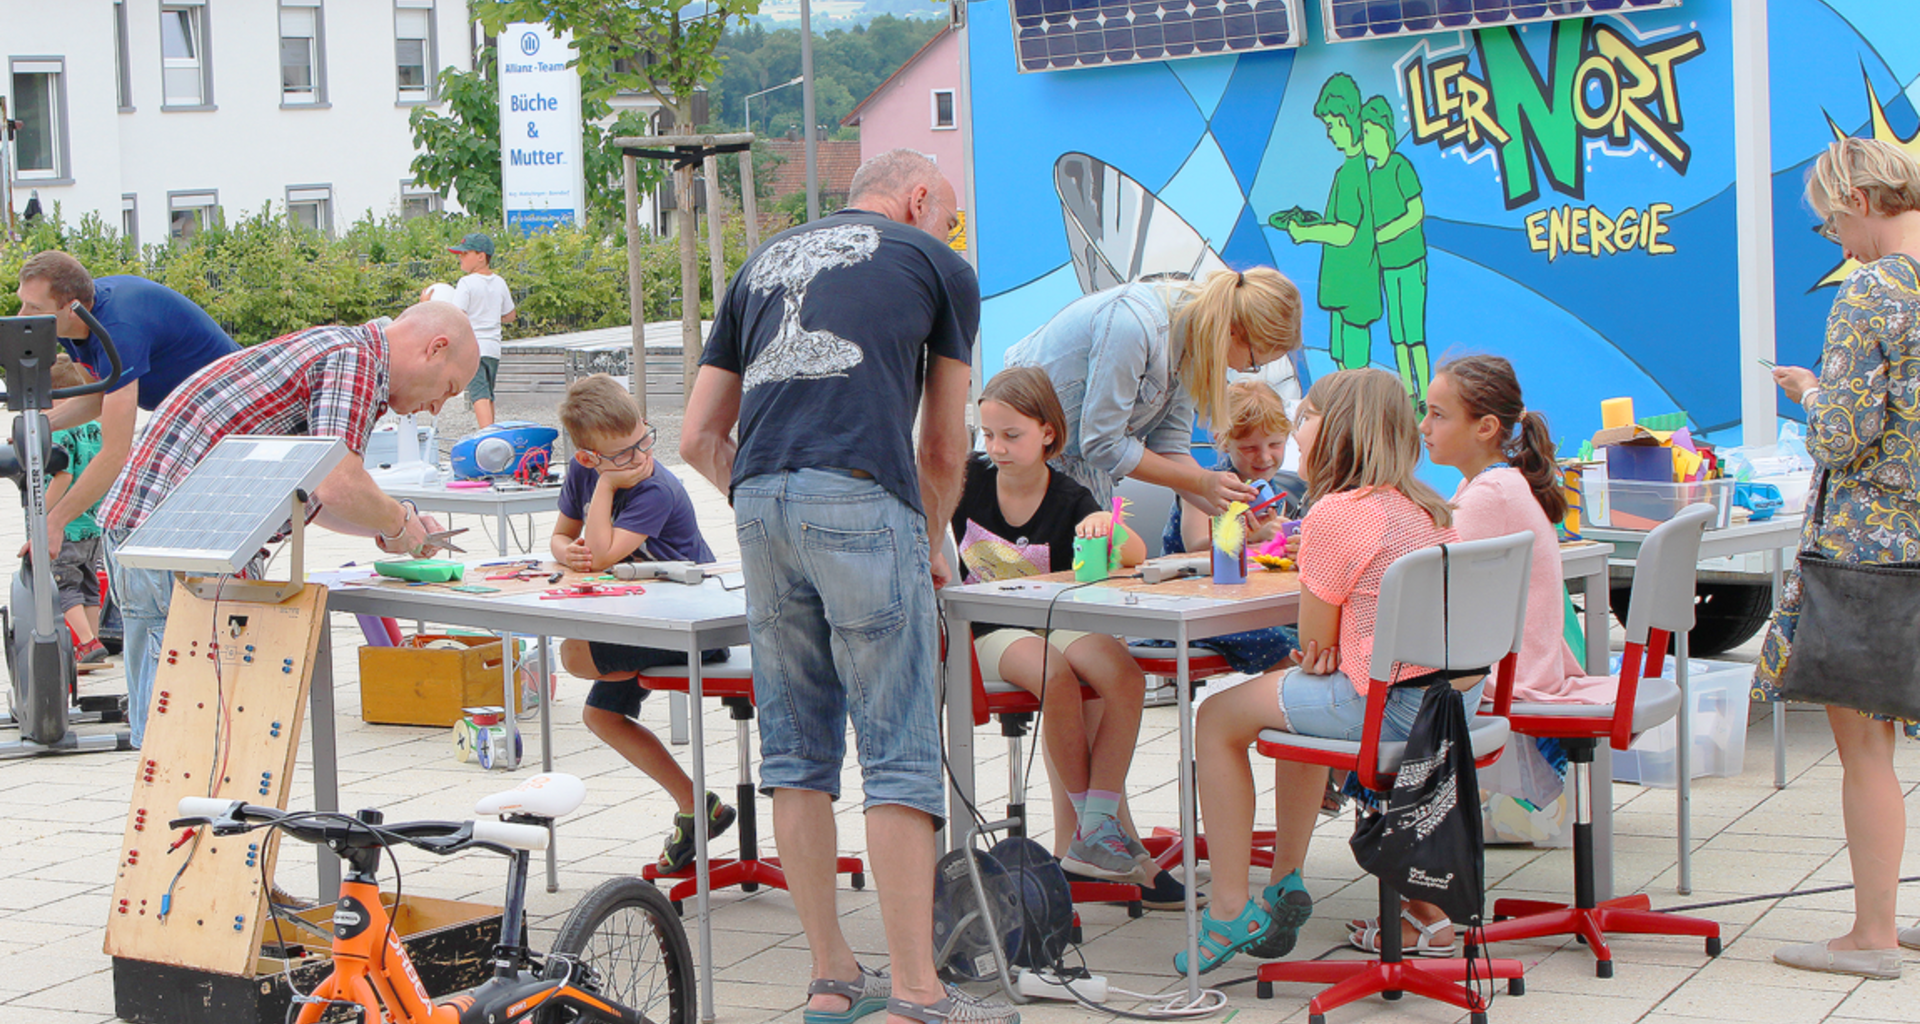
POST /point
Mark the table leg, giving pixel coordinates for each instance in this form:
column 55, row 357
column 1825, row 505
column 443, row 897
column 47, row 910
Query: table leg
column 959, row 689
column 1189, row 810
column 677, row 718
column 511, row 700
column 1774, row 569
column 500, row 520
column 1682, row 765
column 546, row 758
column 702, row 911
column 1594, row 589
column 326, row 764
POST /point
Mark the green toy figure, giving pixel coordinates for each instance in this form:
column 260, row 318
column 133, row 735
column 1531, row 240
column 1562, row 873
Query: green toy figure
column 1400, row 214
column 1349, row 265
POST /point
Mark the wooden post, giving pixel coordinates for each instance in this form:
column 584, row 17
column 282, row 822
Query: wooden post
column 749, row 203
column 716, row 230
column 689, row 279
column 636, row 286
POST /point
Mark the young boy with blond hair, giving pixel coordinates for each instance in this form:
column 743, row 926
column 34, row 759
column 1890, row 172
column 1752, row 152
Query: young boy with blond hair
column 618, row 505
column 76, row 566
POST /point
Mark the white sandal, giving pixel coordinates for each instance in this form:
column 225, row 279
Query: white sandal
column 1366, row 937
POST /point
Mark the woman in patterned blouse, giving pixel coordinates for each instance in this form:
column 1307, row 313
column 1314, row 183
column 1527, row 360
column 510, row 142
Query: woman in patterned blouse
column 1863, row 428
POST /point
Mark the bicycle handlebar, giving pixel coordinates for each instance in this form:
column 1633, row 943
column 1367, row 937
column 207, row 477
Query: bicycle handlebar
column 229, row 817
column 106, row 344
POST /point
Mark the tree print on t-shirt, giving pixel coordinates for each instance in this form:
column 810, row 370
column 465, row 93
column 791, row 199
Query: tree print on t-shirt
column 790, row 265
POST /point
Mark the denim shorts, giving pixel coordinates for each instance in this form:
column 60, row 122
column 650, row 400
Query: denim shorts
column 1330, row 708
column 841, row 616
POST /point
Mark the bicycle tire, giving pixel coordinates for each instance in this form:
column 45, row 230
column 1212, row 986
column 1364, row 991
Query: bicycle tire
column 627, row 930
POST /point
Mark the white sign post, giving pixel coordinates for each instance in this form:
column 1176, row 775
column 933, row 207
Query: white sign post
column 542, row 178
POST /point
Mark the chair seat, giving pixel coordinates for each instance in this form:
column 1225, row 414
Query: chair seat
column 1654, row 702
column 1165, row 661
column 1489, row 738
column 730, row 678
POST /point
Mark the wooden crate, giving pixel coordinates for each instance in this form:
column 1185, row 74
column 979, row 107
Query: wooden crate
column 412, row 686
column 449, row 943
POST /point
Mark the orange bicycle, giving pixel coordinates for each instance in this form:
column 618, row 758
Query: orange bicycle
column 622, row 955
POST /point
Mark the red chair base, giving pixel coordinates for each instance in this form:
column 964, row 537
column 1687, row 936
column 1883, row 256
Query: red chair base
column 749, row 875
column 1440, row 980
column 1165, row 843
column 1107, row 892
column 1628, row 915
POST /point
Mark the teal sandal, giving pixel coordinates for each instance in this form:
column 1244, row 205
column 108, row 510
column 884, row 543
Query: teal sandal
column 865, row 994
column 1238, row 934
column 1290, row 906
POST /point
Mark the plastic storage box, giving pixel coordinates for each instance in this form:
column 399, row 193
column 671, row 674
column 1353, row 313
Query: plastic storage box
column 1644, row 504
column 1719, row 691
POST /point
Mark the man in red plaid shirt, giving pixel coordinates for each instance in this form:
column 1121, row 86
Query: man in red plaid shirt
column 321, row 382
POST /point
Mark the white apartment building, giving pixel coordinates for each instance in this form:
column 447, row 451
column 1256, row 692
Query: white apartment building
column 157, row 113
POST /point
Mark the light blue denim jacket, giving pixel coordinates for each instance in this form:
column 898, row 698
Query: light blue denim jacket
column 1112, row 358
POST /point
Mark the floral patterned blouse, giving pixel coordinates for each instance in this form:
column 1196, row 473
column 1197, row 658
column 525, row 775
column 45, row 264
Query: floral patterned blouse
column 1863, row 430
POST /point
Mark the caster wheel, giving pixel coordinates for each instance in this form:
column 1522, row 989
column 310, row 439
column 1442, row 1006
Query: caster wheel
column 680, row 908
column 1074, row 936
column 1136, row 910
column 859, row 880
column 1391, row 995
column 1713, row 945
column 1516, row 986
column 1317, row 1018
column 1477, row 1018
column 749, row 886
column 1581, row 939
column 1603, row 969
column 1263, row 990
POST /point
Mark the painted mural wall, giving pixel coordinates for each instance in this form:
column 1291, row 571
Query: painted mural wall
column 1561, row 193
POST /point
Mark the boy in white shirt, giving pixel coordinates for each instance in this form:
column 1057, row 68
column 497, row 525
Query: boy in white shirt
column 488, row 303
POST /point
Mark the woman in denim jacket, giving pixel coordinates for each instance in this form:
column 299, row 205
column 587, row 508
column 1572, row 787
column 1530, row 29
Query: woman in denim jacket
column 1863, row 428
column 1132, row 364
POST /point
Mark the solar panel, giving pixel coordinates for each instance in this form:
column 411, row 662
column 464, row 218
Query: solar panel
column 1347, row 20
column 230, row 504
column 1051, row 35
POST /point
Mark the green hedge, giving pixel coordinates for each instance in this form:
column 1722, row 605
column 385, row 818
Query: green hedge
column 263, row 275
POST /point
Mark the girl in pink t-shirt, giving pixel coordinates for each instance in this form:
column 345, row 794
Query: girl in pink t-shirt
column 1368, row 510
column 1477, row 423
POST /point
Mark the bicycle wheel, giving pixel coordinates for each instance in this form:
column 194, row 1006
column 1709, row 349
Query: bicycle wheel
column 627, row 931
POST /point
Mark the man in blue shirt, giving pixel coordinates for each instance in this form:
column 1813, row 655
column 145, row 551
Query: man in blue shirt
column 162, row 337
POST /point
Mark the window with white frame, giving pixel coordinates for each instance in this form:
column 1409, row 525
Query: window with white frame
column 186, row 74
column 130, row 220
column 311, row 207
column 413, row 49
column 303, row 72
column 418, row 201
column 40, row 105
column 189, row 213
column 943, row 108
column 122, row 69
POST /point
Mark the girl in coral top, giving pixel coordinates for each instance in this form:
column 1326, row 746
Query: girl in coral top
column 1367, row 510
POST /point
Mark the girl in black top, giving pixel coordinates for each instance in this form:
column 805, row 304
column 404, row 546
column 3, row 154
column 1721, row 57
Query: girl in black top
column 1019, row 518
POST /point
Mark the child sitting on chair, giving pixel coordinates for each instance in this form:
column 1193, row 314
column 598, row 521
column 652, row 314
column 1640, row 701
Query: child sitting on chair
column 1368, row 510
column 76, row 566
column 617, row 505
column 1018, row 517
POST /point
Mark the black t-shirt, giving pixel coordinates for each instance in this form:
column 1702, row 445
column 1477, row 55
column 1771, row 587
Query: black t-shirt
column 991, row 548
column 830, row 326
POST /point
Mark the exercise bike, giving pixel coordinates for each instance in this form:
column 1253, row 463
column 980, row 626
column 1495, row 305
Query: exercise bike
column 39, row 650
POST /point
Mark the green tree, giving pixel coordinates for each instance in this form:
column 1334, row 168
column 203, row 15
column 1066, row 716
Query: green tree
column 459, row 151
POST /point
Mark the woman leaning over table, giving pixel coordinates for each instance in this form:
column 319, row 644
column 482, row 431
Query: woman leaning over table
column 1132, row 365
column 1863, row 428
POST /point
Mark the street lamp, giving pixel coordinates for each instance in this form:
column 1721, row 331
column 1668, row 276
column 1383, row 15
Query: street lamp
column 749, row 101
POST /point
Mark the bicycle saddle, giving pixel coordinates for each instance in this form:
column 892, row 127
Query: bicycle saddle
column 543, row 796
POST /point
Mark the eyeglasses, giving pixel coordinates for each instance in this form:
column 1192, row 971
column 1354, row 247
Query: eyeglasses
column 1829, row 229
column 625, row 457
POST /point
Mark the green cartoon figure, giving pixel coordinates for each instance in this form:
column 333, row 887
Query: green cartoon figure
column 1399, row 213
column 1349, row 266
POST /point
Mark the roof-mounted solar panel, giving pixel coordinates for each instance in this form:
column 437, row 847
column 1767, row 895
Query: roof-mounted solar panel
column 1350, row 20
column 1054, row 35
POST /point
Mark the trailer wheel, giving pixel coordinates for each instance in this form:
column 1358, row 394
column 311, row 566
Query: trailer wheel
column 1726, row 615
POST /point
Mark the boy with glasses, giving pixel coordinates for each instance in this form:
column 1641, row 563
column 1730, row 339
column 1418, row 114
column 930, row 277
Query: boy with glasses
column 617, row 505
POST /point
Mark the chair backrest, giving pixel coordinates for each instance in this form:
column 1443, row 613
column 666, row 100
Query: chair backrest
column 1663, row 575
column 1149, row 506
column 1454, row 606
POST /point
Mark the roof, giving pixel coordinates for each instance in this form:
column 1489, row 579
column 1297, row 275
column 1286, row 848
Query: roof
column 837, row 160
column 853, row 116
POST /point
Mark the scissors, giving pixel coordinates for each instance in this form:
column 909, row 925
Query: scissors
column 443, row 539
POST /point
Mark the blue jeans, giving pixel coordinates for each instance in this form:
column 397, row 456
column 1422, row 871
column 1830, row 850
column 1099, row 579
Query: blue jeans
column 1329, row 707
column 841, row 616
column 143, row 596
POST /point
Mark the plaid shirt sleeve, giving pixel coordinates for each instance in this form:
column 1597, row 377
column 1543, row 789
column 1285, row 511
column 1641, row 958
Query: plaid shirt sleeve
column 345, row 396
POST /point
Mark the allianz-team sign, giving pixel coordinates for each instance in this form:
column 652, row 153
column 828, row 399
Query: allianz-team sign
column 540, row 169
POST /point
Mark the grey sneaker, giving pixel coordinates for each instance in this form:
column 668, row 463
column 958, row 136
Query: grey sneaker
column 1104, row 854
column 1879, row 964
column 958, row 1008
column 1140, row 854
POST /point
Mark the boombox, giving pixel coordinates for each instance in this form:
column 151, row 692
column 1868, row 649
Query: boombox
column 515, row 448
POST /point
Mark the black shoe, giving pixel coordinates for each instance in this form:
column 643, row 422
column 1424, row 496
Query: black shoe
column 679, row 851
column 1166, row 892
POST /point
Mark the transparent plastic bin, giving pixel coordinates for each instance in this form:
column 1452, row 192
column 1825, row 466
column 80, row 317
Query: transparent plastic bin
column 1719, row 692
column 1644, row 504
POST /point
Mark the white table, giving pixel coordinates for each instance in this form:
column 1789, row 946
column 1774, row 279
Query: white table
column 499, row 503
column 1098, row 609
column 1769, row 537
column 672, row 616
